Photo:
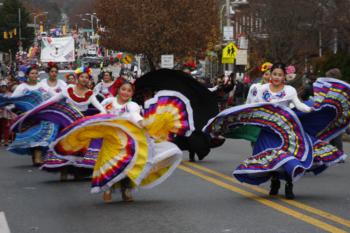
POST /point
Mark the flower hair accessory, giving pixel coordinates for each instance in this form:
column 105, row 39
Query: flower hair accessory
column 51, row 65
column 266, row 67
column 83, row 69
column 67, row 75
column 290, row 73
column 290, row 70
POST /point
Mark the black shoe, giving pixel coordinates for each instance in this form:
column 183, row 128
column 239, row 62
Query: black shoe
column 192, row 157
column 274, row 187
column 289, row 191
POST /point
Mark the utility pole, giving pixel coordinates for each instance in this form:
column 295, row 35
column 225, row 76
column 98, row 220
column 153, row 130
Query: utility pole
column 20, row 30
column 228, row 20
column 228, row 23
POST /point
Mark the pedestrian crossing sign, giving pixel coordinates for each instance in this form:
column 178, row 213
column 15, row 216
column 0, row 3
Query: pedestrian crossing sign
column 229, row 54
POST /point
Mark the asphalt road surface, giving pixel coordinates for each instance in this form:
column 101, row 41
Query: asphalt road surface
column 197, row 198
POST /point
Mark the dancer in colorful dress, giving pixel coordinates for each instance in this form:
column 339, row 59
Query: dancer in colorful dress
column 32, row 139
column 122, row 105
column 80, row 97
column 135, row 151
column 61, row 111
column 290, row 142
column 277, row 92
column 52, row 82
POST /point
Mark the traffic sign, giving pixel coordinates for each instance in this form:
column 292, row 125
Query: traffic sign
column 167, row 61
column 228, row 33
column 31, row 25
column 242, row 57
column 229, row 54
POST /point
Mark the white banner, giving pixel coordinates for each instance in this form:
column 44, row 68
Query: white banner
column 57, row 49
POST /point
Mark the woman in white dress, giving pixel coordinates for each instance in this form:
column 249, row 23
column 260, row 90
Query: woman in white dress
column 277, row 92
column 103, row 88
column 79, row 95
column 22, row 89
column 52, row 82
column 32, row 84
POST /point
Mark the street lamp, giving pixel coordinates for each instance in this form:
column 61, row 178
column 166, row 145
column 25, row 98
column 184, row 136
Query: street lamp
column 93, row 15
column 37, row 15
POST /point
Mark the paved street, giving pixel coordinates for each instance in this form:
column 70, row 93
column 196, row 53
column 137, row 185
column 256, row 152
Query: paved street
column 199, row 198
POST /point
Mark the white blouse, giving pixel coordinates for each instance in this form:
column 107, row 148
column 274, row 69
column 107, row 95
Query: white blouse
column 103, row 88
column 253, row 92
column 60, row 85
column 24, row 88
column 130, row 109
column 287, row 97
column 80, row 102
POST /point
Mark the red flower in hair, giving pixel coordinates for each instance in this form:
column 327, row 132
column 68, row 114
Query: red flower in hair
column 51, row 65
column 115, row 86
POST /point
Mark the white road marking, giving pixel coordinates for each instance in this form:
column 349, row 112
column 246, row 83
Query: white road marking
column 4, row 227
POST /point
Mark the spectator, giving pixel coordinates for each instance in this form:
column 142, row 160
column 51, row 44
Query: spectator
column 338, row 141
column 6, row 116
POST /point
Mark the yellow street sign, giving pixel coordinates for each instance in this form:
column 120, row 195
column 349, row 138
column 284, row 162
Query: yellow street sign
column 229, row 54
column 127, row 59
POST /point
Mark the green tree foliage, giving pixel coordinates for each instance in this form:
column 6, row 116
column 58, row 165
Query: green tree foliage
column 9, row 20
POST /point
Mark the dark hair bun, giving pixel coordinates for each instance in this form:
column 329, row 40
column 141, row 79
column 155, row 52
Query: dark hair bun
column 279, row 65
column 30, row 68
column 50, row 66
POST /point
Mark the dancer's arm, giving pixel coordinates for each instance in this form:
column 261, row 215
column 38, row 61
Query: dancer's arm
column 251, row 96
column 134, row 111
column 298, row 104
column 97, row 105
column 18, row 91
column 97, row 88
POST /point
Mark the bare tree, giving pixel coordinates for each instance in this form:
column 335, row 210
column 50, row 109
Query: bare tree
column 156, row 27
column 291, row 27
column 340, row 22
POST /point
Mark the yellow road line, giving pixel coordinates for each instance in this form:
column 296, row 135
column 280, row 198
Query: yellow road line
column 299, row 205
column 305, row 218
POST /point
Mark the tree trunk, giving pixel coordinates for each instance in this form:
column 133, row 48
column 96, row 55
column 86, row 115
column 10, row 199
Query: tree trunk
column 150, row 62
